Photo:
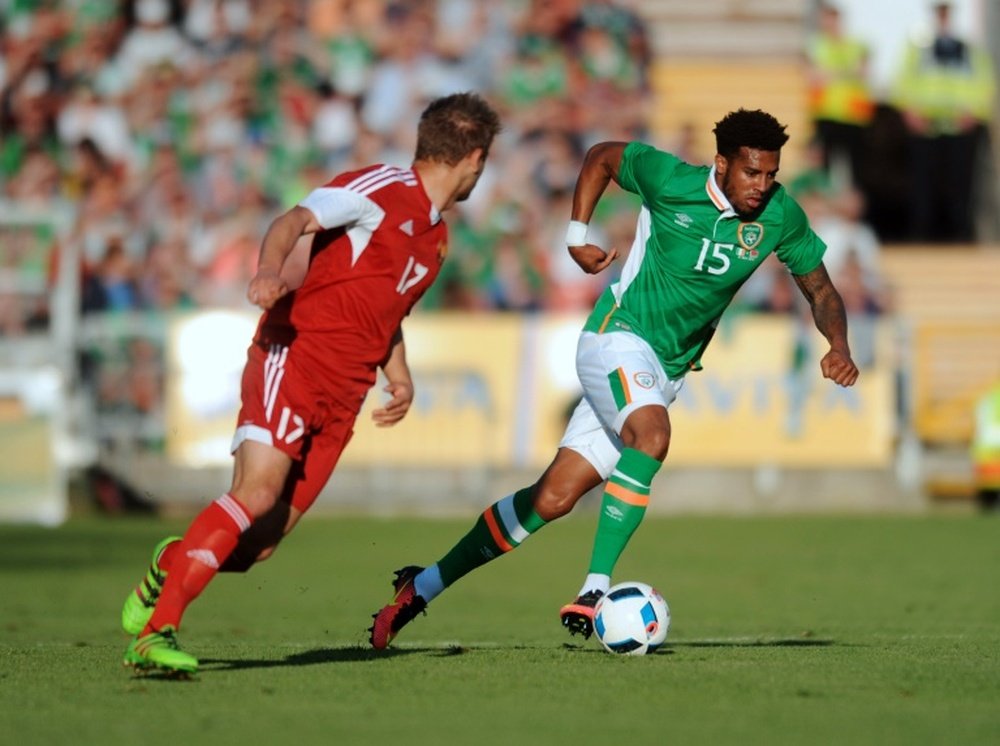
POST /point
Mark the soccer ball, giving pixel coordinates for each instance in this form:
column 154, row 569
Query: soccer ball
column 632, row 619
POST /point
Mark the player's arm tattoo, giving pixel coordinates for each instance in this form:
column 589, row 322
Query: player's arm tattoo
column 826, row 304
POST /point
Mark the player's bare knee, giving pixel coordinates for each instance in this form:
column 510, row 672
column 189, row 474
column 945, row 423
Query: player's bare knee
column 647, row 430
column 257, row 500
column 553, row 502
column 653, row 441
column 655, row 444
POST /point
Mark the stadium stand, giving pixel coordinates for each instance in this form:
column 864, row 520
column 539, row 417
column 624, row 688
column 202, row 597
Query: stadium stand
column 947, row 302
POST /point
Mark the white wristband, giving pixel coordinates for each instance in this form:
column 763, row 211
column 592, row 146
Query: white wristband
column 576, row 233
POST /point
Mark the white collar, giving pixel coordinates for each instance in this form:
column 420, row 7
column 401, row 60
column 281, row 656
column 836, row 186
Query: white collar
column 717, row 196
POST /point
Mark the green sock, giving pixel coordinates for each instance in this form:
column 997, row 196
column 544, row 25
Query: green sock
column 622, row 508
column 501, row 528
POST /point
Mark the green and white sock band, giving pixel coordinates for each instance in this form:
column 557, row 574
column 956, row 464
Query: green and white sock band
column 512, row 520
column 499, row 529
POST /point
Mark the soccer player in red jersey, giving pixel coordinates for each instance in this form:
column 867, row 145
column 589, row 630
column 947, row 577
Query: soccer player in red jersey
column 378, row 243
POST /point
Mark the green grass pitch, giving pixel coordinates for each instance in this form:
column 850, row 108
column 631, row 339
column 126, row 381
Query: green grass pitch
column 786, row 630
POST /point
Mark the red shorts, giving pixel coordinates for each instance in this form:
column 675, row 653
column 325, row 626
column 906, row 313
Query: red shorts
column 281, row 406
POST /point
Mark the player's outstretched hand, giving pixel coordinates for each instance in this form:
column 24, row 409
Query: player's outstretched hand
column 592, row 259
column 266, row 288
column 397, row 407
column 839, row 368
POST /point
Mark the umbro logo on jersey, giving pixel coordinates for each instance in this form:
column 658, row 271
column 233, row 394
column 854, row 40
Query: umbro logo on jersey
column 407, row 227
column 683, row 220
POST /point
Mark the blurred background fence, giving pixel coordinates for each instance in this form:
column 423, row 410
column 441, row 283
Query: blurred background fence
column 146, row 145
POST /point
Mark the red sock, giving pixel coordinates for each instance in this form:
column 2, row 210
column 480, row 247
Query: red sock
column 209, row 540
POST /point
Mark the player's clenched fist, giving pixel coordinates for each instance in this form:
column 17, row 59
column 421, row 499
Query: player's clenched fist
column 266, row 288
column 592, row 259
column 839, row 368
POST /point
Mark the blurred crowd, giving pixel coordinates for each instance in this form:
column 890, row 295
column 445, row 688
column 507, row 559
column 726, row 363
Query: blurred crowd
column 168, row 133
column 158, row 138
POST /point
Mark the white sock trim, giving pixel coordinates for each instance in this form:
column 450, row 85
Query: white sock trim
column 237, row 512
column 595, row 582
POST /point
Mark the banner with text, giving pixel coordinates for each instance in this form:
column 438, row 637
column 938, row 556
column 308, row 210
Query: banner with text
column 497, row 390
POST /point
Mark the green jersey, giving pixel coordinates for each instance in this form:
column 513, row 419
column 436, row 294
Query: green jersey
column 691, row 254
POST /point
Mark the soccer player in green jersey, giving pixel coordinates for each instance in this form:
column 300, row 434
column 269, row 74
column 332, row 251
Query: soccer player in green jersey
column 702, row 231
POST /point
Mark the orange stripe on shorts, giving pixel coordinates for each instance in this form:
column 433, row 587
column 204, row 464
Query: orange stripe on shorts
column 625, row 389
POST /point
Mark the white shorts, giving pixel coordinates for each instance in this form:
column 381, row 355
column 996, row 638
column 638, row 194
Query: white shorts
column 619, row 373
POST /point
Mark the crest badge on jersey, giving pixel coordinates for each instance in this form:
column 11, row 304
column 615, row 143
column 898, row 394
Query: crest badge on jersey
column 645, row 380
column 749, row 235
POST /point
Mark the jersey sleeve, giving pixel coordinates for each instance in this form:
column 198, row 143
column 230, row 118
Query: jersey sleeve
column 645, row 171
column 336, row 206
column 800, row 249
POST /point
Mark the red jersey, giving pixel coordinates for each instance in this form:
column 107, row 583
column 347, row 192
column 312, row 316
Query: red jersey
column 380, row 247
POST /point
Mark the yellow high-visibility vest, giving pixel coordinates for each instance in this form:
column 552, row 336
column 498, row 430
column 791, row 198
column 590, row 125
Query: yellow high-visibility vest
column 986, row 440
column 842, row 94
column 943, row 93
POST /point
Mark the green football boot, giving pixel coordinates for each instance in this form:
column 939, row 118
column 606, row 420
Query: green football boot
column 141, row 600
column 159, row 650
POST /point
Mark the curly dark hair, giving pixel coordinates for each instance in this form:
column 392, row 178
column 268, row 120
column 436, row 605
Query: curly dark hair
column 451, row 127
column 750, row 129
